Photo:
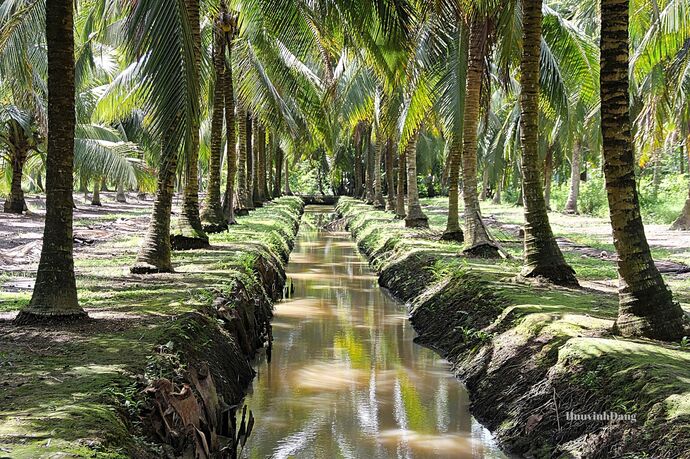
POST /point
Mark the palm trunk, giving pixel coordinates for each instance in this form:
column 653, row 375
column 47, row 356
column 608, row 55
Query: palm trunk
column 120, row 196
column 485, row 185
column 231, row 144
column 256, row 163
column 379, row 202
column 264, row 166
column 415, row 217
column 251, row 176
column 19, row 150
column 646, row 304
column 96, row 196
column 242, row 191
column 499, row 191
column 543, row 257
column 683, row 220
column 477, row 238
column 390, row 177
column 288, row 191
column 189, row 232
column 453, row 231
column 358, row 141
column 55, row 292
column 574, row 193
column 212, row 215
column 155, row 253
column 400, row 198
column 548, row 176
column 279, row 172
column 84, row 185
column 370, row 166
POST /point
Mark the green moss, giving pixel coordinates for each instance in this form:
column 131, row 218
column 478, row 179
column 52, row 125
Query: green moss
column 67, row 390
column 538, row 336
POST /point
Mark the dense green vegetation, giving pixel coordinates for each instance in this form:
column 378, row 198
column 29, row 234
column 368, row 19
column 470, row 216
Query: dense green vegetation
column 479, row 100
column 438, row 112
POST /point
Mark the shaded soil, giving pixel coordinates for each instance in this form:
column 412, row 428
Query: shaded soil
column 95, row 387
column 658, row 236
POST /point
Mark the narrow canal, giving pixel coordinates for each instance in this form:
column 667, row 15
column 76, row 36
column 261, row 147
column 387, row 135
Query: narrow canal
column 345, row 378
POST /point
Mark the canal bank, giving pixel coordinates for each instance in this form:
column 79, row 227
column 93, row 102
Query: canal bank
column 345, row 378
column 531, row 355
column 161, row 367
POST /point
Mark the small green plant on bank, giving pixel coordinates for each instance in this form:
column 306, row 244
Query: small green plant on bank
column 685, row 343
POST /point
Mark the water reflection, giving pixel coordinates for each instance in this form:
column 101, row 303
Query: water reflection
column 345, row 379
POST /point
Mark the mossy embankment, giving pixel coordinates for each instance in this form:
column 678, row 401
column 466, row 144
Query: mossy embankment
column 157, row 369
column 532, row 354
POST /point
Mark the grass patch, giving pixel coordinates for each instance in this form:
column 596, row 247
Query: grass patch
column 68, row 390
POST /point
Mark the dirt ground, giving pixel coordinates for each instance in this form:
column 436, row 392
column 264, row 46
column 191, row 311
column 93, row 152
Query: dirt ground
column 21, row 235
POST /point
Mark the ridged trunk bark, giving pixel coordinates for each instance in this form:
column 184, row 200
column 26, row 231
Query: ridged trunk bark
column 188, row 232
column 120, row 195
column 96, row 196
column 357, row 142
column 242, row 191
column 155, row 253
column 400, row 192
column 548, row 177
column 19, row 150
column 390, row 176
column 251, row 176
column 54, row 298
column 212, row 216
column 646, row 304
column 478, row 241
column 256, row 163
column 379, row 202
column 415, row 217
column 543, row 257
column 453, row 231
column 485, row 185
column 499, row 191
column 288, row 191
column 264, row 167
column 574, row 193
column 369, row 148
column 683, row 220
column 231, row 144
column 279, row 172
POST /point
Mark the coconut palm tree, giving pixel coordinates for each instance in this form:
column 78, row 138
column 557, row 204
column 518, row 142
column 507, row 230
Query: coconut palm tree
column 214, row 216
column 646, row 306
column 55, row 293
column 414, row 217
column 543, row 258
column 477, row 238
column 229, row 26
column 452, row 107
column 21, row 138
column 188, row 232
column 160, row 41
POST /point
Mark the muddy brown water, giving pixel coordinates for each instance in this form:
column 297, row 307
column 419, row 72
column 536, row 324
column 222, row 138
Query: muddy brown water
column 345, row 378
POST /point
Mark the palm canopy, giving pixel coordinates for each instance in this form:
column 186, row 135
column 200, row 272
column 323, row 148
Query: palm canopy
column 310, row 71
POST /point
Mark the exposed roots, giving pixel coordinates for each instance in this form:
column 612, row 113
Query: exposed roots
column 28, row 317
column 213, row 228
column 179, row 242
column 417, row 222
column 483, row 250
column 562, row 275
column 453, row 236
column 147, row 268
